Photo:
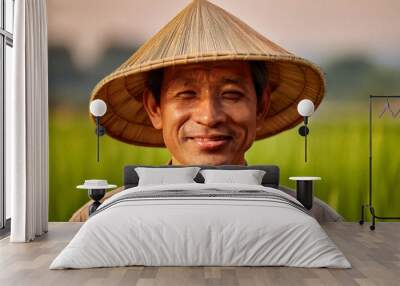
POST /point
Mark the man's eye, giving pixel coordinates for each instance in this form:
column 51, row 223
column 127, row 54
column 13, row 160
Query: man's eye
column 186, row 94
column 232, row 94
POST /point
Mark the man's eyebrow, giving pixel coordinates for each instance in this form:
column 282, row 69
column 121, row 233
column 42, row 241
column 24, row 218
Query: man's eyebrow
column 182, row 80
column 232, row 80
column 224, row 80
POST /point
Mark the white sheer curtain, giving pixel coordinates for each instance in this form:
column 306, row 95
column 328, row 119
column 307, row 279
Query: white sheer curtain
column 27, row 124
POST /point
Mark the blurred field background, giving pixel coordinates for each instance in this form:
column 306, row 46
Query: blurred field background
column 338, row 142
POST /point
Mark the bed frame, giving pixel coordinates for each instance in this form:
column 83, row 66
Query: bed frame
column 270, row 179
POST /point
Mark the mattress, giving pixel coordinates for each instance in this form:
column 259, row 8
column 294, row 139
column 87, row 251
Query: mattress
column 201, row 225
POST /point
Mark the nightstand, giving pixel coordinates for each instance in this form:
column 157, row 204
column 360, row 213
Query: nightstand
column 96, row 191
column 304, row 190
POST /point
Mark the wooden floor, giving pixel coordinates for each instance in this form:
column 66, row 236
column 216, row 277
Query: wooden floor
column 374, row 255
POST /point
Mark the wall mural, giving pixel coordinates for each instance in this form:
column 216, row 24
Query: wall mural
column 228, row 96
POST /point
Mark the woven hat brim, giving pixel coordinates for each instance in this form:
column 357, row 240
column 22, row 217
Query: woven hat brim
column 292, row 78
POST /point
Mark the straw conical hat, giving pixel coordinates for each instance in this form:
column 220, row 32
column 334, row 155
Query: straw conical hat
column 205, row 32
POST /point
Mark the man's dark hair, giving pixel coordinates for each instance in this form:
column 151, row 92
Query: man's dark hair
column 258, row 69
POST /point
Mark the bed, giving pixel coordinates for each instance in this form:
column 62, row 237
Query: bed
column 201, row 224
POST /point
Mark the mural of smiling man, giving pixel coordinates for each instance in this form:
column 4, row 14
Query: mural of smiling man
column 206, row 86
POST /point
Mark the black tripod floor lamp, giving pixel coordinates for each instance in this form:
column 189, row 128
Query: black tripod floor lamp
column 394, row 114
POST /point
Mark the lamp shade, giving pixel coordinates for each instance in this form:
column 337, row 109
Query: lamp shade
column 305, row 108
column 98, row 107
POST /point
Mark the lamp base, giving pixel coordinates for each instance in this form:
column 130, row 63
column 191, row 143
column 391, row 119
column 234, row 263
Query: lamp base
column 303, row 130
column 100, row 130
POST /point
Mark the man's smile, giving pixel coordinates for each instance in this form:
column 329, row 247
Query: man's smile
column 210, row 142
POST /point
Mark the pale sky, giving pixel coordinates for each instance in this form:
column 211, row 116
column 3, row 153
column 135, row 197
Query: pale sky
column 315, row 29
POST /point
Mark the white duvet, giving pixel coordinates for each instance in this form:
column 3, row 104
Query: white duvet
column 190, row 230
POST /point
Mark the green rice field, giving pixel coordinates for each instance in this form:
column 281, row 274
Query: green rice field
column 338, row 152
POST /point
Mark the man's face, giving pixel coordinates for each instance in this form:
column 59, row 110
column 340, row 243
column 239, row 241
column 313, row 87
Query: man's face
column 207, row 112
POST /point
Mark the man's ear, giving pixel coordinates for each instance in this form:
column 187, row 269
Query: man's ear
column 152, row 108
column 263, row 106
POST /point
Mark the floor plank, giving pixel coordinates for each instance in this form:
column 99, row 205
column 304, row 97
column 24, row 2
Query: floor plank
column 374, row 255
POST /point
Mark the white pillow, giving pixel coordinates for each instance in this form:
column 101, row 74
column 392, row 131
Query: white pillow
column 248, row 177
column 162, row 176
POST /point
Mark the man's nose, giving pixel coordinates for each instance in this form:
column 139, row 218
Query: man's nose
column 209, row 111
